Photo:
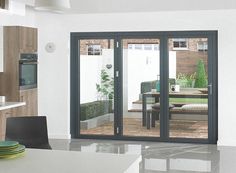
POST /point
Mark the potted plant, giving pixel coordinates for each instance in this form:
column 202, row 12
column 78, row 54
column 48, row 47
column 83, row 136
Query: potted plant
column 106, row 88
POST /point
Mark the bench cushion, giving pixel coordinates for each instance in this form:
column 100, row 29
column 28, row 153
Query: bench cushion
column 195, row 107
column 156, row 106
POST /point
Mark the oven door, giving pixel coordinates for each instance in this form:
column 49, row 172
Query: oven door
column 28, row 75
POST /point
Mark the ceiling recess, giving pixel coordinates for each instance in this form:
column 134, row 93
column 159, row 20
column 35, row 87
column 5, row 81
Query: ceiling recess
column 52, row 5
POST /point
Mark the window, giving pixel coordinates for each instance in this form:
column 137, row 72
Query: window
column 138, row 46
column 180, row 44
column 156, row 46
column 148, row 46
column 130, row 46
column 202, row 46
column 94, row 49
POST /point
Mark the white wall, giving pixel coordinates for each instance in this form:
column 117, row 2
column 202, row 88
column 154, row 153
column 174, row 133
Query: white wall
column 90, row 70
column 53, row 76
column 226, row 155
column 54, row 68
column 143, row 65
column 7, row 19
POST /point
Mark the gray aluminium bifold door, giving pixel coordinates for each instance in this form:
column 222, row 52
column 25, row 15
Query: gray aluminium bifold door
column 94, row 102
column 157, row 86
column 141, row 82
column 190, row 87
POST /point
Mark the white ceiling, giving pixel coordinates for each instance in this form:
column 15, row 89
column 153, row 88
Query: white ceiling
column 111, row 6
column 117, row 6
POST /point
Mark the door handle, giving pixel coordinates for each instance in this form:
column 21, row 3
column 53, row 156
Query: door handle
column 210, row 89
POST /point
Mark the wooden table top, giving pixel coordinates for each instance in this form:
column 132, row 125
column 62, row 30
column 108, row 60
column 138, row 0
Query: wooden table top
column 179, row 94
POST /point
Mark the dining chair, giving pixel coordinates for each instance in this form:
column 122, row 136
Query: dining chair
column 30, row 131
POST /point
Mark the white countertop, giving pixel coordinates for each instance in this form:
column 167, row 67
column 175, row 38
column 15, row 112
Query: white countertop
column 9, row 105
column 50, row 161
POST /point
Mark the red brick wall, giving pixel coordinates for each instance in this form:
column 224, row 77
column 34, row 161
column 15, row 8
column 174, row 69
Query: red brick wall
column 192, row 43
column 105, row 44
column 139, row 41
column 186, row 61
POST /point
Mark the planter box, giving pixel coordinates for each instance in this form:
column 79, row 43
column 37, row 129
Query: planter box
column 95, row 109
column 96, row 121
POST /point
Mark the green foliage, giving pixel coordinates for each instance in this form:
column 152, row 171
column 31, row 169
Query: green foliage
column 95, row 109
column 188, row 100
column 201, row 78
column 106, row 87
column 185, row 80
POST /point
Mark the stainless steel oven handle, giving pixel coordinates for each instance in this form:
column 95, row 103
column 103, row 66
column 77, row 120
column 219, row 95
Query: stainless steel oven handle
column 27, row 63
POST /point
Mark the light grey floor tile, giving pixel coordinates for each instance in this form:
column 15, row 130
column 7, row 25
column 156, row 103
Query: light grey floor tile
column 161, row 157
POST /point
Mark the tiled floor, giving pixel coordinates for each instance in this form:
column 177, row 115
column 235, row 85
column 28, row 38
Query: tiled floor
column 133, row 127
column 162, row 157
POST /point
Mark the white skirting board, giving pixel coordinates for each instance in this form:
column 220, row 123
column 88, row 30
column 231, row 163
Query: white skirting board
column 59, row 136
column 226, row 142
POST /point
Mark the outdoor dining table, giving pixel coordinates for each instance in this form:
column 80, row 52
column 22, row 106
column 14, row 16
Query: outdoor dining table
column 156, row 95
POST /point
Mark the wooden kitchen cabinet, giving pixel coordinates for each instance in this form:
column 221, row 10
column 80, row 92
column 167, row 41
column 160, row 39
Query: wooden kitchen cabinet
column 28, row 39
column 1, row 49
column 2, row 3
column 30, row 98
column 17, row 40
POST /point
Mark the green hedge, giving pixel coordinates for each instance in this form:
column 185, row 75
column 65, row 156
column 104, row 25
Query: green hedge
column 95, row 109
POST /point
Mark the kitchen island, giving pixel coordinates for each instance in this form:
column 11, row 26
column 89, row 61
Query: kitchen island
column 10, row 105
column 50, row 161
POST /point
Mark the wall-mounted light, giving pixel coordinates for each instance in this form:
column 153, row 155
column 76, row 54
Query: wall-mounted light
column 109, row 66
column 52, row 5
column 50, row 47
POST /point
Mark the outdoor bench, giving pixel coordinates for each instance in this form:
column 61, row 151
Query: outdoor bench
column 153, row 113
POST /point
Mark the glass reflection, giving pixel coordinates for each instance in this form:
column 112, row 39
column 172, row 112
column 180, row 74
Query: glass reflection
column 162, row 157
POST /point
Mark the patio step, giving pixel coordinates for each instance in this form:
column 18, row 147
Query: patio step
column 135, row 110
column 137, row 102
column 137, row 105
column 140, row 102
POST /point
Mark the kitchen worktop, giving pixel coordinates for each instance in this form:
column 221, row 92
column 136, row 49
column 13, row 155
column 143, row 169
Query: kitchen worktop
column 9, row 105
column 46, row 161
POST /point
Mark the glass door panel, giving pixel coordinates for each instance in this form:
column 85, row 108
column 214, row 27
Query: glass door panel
column 188, row 83
column 96, row 87
column 141, row 87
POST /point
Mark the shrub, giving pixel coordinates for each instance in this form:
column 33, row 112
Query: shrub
column 95, row 109
column 182, row 80
column 201, row 79
column 106, row 88
column 185, row 80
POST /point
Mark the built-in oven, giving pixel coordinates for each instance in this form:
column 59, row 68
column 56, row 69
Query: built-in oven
column 28, row 71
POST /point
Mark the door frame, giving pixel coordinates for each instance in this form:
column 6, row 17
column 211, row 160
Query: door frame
column 164, row 69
